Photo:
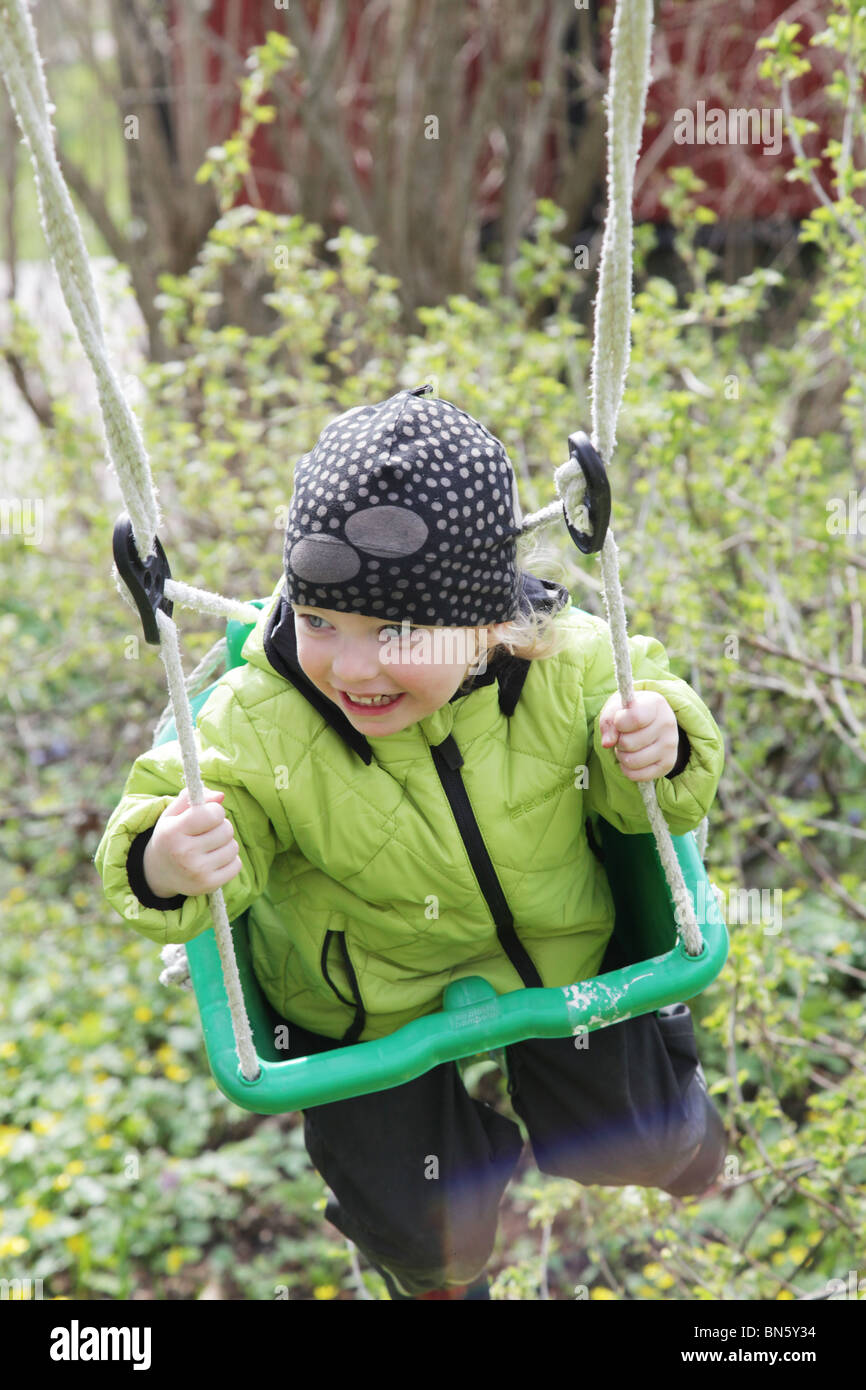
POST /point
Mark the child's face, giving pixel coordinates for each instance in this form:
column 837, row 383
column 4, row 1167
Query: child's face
column 347, row 652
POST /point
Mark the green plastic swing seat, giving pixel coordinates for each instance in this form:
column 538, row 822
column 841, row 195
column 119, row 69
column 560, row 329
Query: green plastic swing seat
column 474, row 1018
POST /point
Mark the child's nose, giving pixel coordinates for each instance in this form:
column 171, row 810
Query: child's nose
column 358, row 663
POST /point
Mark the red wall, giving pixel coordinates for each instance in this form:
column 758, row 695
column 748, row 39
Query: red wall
column 718, row 66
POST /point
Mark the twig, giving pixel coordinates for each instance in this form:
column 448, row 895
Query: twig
column 753, row 1135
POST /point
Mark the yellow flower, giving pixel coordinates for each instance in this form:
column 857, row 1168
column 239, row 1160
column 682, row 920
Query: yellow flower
column 784, row 1293
column 176, row 1073
column 14, row 1245
column 74, row 1244
column 41, row 1217
column 96, row 1122
column 16, row 894
column 326, row 1291
column 652, row 1271
column 8, row 1049
column 646, row 1291
column 240, row 1179
column 74, row 1064
column 75, row 1167
column 61, row 1182
column 105, row 1141
column 797, row 1253
column 175, row 1259
column 165, row 1053
column 45, row 1126
column 601, row 1292
column 142, row 1014
column 38, row 1028
column 8, row 1135
column 777, row 1238
column 80, row 899
column 144, row 1066
column 665, row 1281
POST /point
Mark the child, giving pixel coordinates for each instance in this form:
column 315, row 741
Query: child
column 385, row 850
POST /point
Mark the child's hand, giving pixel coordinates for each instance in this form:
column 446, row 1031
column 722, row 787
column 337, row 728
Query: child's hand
column 644, row 734
column 193, row 849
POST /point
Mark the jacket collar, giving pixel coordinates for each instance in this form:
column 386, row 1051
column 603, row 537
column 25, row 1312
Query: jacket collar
column 273, row 642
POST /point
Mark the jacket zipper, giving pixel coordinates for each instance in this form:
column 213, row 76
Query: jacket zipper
column 447, row 759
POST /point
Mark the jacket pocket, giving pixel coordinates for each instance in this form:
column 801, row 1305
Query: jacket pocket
column 326, row 949
column 356, row 1027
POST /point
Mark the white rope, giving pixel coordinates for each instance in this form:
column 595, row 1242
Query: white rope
column 21, row 66
column 212, row 662
column 207, row 602
column 25, row 82
column 625, row 101
column 176, row 970
column 170, row 653
column 571, row 486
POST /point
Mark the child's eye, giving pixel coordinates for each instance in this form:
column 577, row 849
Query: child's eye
column 393, row 634
column 391, row 631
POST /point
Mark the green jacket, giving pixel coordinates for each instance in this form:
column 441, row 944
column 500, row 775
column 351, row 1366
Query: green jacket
column 378, row 869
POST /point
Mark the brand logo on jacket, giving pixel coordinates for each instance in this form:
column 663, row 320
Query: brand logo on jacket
column 525, row 806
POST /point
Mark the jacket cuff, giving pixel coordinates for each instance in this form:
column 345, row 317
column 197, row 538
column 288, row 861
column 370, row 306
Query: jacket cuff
column 684, row 752
column 137, row 880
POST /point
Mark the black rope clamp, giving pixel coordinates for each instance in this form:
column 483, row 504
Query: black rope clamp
column 596, row 499
column 145, row 580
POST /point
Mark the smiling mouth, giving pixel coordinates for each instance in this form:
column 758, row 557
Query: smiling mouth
column 376, row 708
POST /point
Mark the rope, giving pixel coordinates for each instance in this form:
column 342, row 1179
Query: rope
column 25, row 82
column 170, row 652
column 212, row 662
column 625, row 101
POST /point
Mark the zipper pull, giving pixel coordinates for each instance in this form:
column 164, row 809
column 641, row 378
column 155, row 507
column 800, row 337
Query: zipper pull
column 450, row 752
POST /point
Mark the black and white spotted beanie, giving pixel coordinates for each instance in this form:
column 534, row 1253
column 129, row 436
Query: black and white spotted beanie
column 406, row 510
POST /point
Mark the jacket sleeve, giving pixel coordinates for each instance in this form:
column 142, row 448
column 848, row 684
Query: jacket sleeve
column 686, row 793
column 154, row 781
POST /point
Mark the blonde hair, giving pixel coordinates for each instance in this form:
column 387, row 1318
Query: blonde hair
column 531, row 636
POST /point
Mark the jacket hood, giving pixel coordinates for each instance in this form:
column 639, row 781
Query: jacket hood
column 272, row 646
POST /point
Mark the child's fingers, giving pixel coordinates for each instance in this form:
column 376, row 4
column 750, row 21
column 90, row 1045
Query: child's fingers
column 642, row 738
column 641, row 759
column 182, row 801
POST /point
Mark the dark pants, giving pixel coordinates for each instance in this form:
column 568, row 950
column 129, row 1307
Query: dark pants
column 416, row 1172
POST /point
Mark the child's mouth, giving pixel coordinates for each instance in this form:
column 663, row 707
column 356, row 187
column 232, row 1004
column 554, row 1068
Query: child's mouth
column 370, row 709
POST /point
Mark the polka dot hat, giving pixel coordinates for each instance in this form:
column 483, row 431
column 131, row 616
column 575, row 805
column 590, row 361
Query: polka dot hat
column 406, row 509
